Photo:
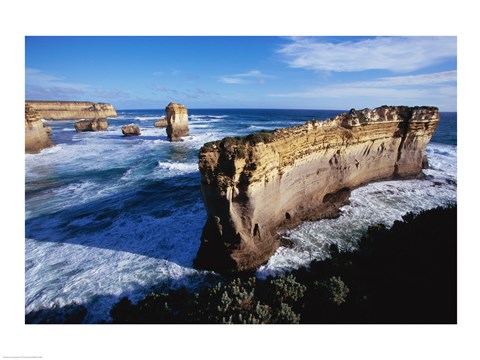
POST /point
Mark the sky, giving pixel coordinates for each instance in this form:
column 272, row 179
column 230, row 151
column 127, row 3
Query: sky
column 244, row 72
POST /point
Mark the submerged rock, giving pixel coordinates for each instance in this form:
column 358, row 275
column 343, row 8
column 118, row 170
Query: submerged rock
column 252, row 186
column 131, row 130
column 177, row 121
column 91, row 125
column 36, row 132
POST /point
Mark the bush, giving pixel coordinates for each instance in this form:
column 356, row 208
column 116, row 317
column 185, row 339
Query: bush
column 285, row 289
column 337, row 290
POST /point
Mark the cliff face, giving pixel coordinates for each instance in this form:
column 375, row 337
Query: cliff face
column 71, row 110
column 177, row 121
column 253, row 186
column 36, row 133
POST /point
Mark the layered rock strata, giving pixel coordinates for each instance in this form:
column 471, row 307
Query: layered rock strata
column 177, row 121
column 37, row 135
column 255, row 185
column 131, row 130
column 72, row 110
column 91, row 125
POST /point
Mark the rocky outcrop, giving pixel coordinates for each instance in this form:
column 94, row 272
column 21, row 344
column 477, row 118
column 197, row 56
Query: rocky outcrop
column 255, row 185
column 131, row 130
column 91, row 125
column 177, row 121
column 161, row 123
column 72, row 110
column 36, row 133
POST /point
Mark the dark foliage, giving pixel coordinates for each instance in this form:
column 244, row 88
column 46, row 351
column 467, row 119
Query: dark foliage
column 69, row 314
column 406, row 274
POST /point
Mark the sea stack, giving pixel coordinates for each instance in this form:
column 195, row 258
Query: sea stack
column 72, row 110
column 161, row 123
column 177, row 121
column 91, row 125
column 37, row 135
column 255, row 185
column 131, row 130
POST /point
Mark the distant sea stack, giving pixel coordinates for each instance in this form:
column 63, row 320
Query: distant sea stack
column 71, row 110
column 131, row 130
column 37, row 135
column 160, row 123
column 177, row 121
column 255, row 185
column 91, row 125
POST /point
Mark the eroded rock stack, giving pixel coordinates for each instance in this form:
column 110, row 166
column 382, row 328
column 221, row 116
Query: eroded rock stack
column 91, row 125
column 131, row 130
column 161, row 123
column 37, row 135
column 255, row 185
column 177, row 121
column 72, row 110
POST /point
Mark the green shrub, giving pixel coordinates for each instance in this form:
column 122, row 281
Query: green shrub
column 337, row 290
column 285, row 289
column 285, row 315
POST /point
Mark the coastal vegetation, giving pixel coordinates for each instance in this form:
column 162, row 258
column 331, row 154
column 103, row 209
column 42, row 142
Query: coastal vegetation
column 405, row 274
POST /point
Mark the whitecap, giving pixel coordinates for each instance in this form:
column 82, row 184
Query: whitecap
column 147, row 118
column 175, row 168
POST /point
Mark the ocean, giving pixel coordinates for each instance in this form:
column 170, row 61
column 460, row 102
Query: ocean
column 108, row 216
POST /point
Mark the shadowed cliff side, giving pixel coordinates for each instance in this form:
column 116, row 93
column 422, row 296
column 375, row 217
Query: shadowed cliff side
column 71, row 110
column 37, row 135
column 255, row 185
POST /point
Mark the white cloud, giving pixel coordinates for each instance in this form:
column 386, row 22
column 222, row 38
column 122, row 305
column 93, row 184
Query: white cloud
column 425, row 89
column 186, row 94
column 397, row 54
column 421, row 79
column 42, row 86
column 245, row 78
column 232, row 80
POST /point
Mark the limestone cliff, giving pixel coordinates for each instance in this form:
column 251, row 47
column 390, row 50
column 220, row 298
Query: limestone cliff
column 71, row 110
column 177, row 121
column 37, row 135
column 255, row 185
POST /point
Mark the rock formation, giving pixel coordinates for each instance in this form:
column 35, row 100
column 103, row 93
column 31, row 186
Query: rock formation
column 161, row 123
column 177, row 121
column 72, row 110
column 91, row 125
column 36, row 133
column 131, row 130
column 255, row 185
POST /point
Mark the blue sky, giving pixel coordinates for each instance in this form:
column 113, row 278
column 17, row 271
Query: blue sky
column 244, row 72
